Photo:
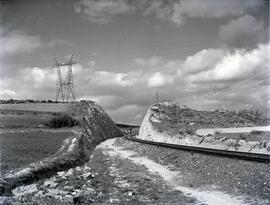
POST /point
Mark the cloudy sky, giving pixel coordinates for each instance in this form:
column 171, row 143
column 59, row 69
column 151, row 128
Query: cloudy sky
column 205, row 54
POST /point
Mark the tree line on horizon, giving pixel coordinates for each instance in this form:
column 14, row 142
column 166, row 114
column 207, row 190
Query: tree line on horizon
column 17, row 101
column 244, row 112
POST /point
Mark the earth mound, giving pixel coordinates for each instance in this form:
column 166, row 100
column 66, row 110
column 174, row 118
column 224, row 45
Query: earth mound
column 169, row 122
column 96, row 126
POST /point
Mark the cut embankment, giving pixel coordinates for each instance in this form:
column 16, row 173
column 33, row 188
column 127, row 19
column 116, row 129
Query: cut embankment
column 96, row 126
column 170, row 123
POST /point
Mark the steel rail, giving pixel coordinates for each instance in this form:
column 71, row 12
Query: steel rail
column 225, row 153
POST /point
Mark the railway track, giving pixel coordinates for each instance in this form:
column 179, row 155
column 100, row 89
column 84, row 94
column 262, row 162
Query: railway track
column 225, row 153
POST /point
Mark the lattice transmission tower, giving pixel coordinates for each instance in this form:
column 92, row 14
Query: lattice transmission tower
column 65, row 86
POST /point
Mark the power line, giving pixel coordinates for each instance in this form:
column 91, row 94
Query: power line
column 153, row 47
column 112, row 53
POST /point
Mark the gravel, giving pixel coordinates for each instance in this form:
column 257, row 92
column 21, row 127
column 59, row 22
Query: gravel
column 234, row 176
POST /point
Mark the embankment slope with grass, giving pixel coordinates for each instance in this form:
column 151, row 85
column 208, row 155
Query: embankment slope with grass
column 95, row 127
column 169, row 122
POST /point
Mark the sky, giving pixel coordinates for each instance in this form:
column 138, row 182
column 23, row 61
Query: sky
column 206, row 54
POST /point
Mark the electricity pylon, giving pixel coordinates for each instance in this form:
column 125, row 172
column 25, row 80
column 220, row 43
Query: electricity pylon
column 65, row 87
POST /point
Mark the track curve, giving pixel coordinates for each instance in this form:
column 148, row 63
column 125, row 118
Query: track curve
column 225, row 153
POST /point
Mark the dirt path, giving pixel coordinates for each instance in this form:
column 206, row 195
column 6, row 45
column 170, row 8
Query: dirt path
column 171, row 178
column 122, row 181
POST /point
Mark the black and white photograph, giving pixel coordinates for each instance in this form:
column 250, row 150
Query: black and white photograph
column 134, row 102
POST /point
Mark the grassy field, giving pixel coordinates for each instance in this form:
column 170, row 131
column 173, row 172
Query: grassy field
column 24, row 138
column 21, row 119
column 42, row 107
column 19, row 149
column 30, row 115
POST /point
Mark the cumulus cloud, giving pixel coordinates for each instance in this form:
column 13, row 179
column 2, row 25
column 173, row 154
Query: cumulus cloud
column 128, row 113
column 31, row 79
column 236, row 65
column 37, row 76
column 165, row 10
column 102, row 11
column 106, row 77
column 17, row 41
column 7, row 94
column 236, row 78
column 158, row 79
column 91, row 63
column 149, row 62
column 31, row 82
column 243, row 32
column 174, row 11
column 202, row 60
column 217, row 9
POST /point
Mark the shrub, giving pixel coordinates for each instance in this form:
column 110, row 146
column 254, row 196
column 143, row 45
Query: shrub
column 256, row 132
column 62, row 120
column 190, row 130
column 217, row 132
column 242, row 136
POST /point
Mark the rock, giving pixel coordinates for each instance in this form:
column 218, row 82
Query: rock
column 23, row 190
column 75, row 192
column 78, row 169
column 69, row 172
column 68, row 197
column 90, row 190
column 86, row 167
column 131, row 193
column 53, row 193
column 56, row 193
column 50, row 184
column 39, row 194
column 87, row 176
column 61, row 174
column 67, row 188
